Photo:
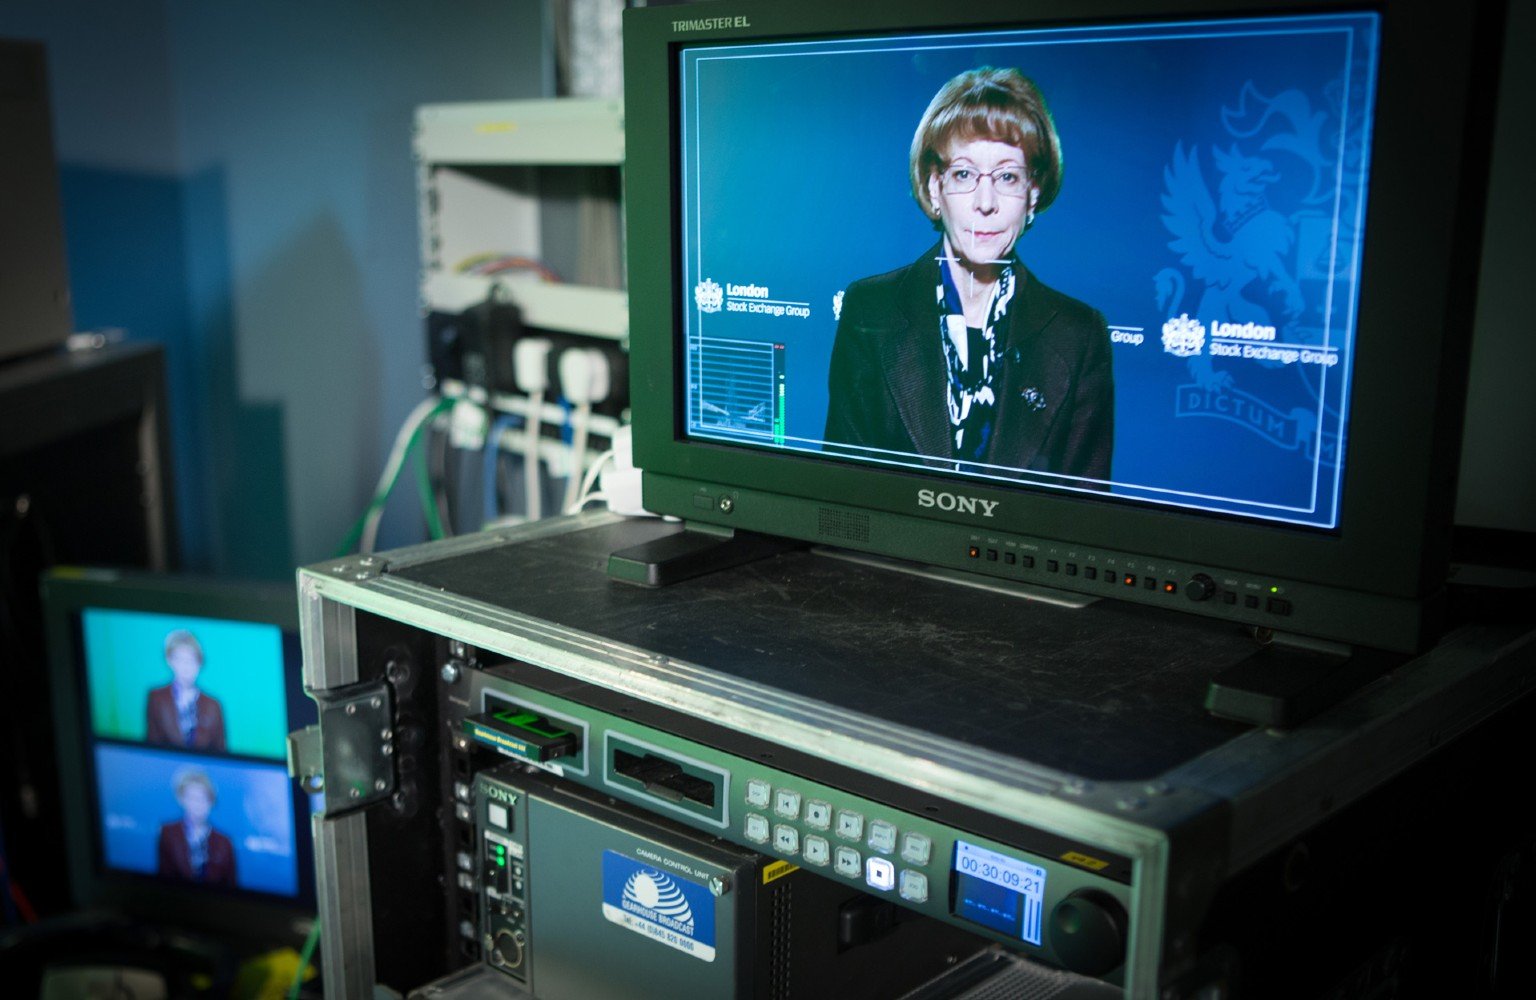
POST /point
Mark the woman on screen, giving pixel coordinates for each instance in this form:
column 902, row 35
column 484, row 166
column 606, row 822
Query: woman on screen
column 190, row 848
column 180, row 714
column 964, row 356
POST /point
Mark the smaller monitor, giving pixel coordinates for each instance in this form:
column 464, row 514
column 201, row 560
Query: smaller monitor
column 173, row 698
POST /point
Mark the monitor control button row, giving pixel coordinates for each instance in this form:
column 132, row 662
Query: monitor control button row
column 756, row 828
column 759, row 793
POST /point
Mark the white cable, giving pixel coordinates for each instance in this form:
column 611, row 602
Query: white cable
column 588, row 481
column 530, row 366
column 581, row 426
column 584, row 378
column 534, row 502
column 391, row 468
column 622, row 482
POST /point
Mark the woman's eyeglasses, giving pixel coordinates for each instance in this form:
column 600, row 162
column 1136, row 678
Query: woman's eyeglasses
column 961, row 179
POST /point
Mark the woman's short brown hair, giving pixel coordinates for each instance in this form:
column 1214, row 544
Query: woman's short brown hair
column 1002, row 105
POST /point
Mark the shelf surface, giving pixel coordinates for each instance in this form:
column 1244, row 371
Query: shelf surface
column 1111, row 692
column 565, row 130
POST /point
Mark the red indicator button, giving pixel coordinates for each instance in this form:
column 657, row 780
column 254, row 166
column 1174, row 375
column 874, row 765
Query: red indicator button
column 1170, row 587
column 973, row 552
column 1130, row 579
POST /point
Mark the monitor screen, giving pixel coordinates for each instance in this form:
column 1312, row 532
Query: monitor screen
column 174, row 707
column 1163, row 301
column 1120, row 261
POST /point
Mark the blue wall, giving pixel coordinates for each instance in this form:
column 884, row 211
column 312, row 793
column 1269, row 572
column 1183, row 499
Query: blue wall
column 238, row 185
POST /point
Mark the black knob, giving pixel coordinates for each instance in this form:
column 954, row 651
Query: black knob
column 1088, row 932
column 1200, row 588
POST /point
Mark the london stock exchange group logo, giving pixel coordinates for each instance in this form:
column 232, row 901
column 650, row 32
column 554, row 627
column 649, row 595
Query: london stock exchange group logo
column 708, row 296
column 1183, row 337
column 1263, row 220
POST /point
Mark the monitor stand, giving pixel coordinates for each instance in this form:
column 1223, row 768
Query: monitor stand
column 694, row 551
column 1282, row 685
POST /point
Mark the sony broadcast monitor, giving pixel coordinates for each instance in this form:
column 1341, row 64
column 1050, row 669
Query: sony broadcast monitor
column 173, row 700
column 1167, row 302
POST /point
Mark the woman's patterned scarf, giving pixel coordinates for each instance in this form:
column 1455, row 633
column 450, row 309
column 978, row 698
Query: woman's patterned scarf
column 972, row 357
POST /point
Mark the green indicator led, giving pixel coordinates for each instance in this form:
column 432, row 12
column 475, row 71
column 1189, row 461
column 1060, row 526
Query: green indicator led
column 1274, row 590
column 529, row 721
column 501, row 859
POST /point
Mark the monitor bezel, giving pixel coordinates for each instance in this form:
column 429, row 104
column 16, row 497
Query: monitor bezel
column 1409, row 387
column 244, row 915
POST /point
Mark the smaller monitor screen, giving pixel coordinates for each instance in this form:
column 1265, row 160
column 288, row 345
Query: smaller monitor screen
column 212, row 821
column 999, row 892
column 1116, row 261
column 186, row 719
column 190, row 683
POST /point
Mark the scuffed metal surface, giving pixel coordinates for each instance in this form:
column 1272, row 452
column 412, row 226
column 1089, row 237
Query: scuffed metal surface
column 1110, row 692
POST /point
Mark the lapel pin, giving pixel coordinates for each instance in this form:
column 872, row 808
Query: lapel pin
column 1033, row 398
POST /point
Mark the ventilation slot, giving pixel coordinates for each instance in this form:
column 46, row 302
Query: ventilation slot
column 780, row 931
column 846, row 525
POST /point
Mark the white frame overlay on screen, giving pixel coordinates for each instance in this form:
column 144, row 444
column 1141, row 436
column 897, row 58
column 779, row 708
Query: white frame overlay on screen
column 693, row 268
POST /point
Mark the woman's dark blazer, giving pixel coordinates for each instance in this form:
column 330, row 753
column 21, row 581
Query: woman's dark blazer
column 175, row 855
column 1055, row 388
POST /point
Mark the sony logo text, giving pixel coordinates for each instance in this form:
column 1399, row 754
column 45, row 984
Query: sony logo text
column 951, row 501
column 500, row 794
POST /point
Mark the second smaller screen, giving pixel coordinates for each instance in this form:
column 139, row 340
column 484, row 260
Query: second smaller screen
column 222, row 823
column 200, row 684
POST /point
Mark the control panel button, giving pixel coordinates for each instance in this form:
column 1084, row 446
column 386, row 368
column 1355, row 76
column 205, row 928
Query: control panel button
column 756, row 828
column 817, row 851
column 787, row 804
column 497, row 814
column 786, row 839
column 818, row 814
column 758, row 793
column 850, row 825
column 882, row 837
column 916, row 848
column 880, row 874
column 846, row 861
column 914, row 886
